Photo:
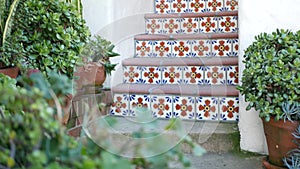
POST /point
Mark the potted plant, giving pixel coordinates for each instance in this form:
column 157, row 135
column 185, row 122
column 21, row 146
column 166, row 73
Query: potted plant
column 293, row 160
column 51, row 35
column 270, row 80
column 96, row 64
column 7, row 11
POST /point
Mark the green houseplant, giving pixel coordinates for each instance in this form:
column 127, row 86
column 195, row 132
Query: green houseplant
column 7, row 11
column 272, row 78
column 51, row 35
column 96, row 65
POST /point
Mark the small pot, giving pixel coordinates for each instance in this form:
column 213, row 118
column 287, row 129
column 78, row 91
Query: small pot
column 279, row 139
column 91, row 74
column 10, row 71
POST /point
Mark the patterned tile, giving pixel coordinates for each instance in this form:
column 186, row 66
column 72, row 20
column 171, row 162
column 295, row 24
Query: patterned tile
column 143, row 48
column 120, row 106
column 193, row 75
column 139, row 101
column 172, row 74
column 184, row 107
column 179, row 6
column 214, row 5
column 131, row 74
column 232, row 75
column 228, row 24
column 152, row 75
column 197, row 6
column 229, row 109
column 207, row 108
column 162, row 48
column 235, row 47
column 231, row 5
column 162, row 6
column 153, row 26
column 215, row 75
column 171, row 25
column 221, row 47
column 209, row 24
column 201, row 48
column 190, row 25
column 181, row 48
column 162, row 106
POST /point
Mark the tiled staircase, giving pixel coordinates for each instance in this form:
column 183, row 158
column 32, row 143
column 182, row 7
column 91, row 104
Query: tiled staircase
column 185, row 65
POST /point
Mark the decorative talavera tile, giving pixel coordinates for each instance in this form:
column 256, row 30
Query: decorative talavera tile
column 151, row 75
column 232, row 75
column 131, row 74
column 162, row 49
column 235, row 47
column 162, row 6
column 179, row 6
column 214, row 5
column 184, row 107
column 228, row 24
column 181, row 48
column 172, row 74
column 206, row 108
column 153, row 26
column 139, row 102
column 190, row 25
column 197, row 6
column 208, row 24
column 171, row 25
column 162, row 106
column 215, row 75
column 221, row 47
column 193, row 75
column 120, row 106
column 229, row 109
column 201, row 48
column 231, row 5
column 143, row 48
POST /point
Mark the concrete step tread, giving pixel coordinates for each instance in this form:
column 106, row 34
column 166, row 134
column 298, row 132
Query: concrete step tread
column 191, row 15
column 204, row 61
column 175, row 89
column 145, row 37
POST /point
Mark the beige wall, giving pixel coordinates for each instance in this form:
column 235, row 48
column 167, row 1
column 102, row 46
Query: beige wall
column 120, row 20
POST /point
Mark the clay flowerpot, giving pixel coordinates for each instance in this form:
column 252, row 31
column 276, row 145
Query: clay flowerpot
column 279, row 139
column 10, row 71
column 90, row 74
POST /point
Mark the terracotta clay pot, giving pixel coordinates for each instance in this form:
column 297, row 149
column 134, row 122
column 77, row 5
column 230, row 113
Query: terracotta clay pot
column 90, row 74
column 279, row 139
column 10, row 71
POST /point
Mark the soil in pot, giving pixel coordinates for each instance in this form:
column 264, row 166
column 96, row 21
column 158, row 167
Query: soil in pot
column 279, row 139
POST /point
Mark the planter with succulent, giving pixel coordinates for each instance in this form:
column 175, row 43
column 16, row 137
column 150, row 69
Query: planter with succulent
column 96, row 64
column 7, row 11
column 270, row 84
column 50, row 35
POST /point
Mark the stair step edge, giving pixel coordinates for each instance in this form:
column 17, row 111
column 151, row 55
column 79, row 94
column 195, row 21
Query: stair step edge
column 211, row 61
column 186, row 36
column 190, row 90
column 191, row 15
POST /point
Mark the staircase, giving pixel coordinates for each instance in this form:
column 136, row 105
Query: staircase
column 185, row 65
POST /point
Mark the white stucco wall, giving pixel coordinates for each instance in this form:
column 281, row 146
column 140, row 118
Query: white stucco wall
column 120, row 20
column 256, row 16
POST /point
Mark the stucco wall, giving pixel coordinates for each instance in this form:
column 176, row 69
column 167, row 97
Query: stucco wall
column 120, row 20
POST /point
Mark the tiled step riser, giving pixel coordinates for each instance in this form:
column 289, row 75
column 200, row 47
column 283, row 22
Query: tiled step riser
column 187, row 48
column 178, row 106
column 219, row 24
column 194, row 6
column 198, row 75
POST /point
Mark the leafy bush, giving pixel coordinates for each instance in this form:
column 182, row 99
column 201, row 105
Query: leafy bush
column 272, row 72
column 47, row 35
